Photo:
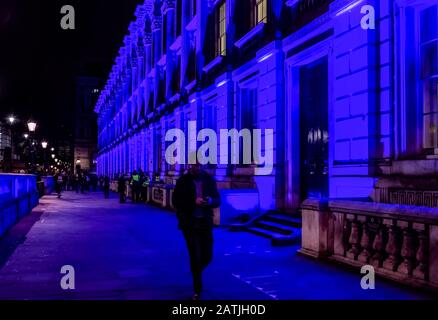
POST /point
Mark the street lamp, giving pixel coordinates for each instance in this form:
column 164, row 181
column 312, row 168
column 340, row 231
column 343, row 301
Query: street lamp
column 44, row 144
column 26, row 136
column 11, row 119
column 31, row 125
column 53, row 156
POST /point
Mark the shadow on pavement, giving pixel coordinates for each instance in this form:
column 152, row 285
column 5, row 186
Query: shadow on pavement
column 17, row 235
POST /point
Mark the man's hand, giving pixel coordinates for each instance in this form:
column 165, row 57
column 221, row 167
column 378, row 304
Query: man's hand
column 200, row 201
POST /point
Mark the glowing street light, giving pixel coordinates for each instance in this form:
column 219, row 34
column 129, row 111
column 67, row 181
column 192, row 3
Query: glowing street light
column 44, row 144
column 53, row 156
column 11, row 119
column 31, row 125
column 26, row 136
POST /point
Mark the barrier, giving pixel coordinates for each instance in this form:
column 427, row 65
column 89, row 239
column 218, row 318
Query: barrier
column 400, row 241
column 18, row 196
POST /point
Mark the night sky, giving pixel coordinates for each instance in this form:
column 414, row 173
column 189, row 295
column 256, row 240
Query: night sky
column 39, row 61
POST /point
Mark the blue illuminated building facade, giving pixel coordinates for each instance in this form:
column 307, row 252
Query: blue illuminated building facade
column 350, row 105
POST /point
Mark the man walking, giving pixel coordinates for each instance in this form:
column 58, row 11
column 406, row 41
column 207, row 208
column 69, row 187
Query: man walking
column 106, row 187
column 194, row 198
column 121, row 188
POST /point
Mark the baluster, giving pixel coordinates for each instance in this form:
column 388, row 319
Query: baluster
column 354, row 240
column 367, row 245
column 393, row 249
column 346, row 235
column 408, row 252
column 422, row 256
column 378, row 246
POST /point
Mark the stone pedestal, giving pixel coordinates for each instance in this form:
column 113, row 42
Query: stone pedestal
column 317, row 232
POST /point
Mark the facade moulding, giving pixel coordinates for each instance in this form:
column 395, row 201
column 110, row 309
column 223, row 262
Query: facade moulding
column 316, row 27
column 250, row 35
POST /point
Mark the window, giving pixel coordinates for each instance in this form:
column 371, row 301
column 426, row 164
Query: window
column 193, row 8
column 259, row 12
column 247, row 117
column 429, row 75
column 248, row 108
column 178, row 17
column 221, row 36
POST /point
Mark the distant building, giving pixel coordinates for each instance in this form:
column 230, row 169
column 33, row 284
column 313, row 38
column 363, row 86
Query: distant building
column 5, row 147
column 85, row 128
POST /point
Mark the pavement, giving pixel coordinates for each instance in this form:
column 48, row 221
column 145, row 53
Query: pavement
column 135, row 252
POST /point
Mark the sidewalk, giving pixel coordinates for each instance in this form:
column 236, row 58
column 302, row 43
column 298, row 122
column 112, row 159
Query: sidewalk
column 135, row 252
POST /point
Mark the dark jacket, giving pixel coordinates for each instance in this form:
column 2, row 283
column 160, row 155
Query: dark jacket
column 184, row 201
column 121, row 184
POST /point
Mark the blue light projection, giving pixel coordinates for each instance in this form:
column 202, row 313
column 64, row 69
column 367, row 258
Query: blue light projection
column 380, row 101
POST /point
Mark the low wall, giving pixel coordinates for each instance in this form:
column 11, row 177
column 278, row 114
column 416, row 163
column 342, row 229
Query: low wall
column 18, row 196
column 400, row 241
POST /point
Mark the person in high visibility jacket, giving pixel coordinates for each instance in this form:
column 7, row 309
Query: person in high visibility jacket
column 135, row 186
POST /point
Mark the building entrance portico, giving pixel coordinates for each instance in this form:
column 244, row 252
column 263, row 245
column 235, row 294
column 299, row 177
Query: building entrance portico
column 307, row 125
column 314, row 129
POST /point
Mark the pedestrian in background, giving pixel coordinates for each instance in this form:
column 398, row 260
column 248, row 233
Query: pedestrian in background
column 135, row 186
column 58, row 184
column 106, row 187
column 121, row 188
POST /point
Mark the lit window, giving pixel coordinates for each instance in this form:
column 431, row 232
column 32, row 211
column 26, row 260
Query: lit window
column 221, row 47
column 429, row 75
column 259, row 12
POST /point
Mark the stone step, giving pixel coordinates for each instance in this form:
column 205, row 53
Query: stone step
column 276, row 238
column 281, row 228
column 284, row 219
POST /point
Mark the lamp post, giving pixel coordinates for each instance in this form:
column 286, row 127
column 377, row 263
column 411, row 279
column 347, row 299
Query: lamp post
column 44, row 144
column 11, row 120
column 31, row 126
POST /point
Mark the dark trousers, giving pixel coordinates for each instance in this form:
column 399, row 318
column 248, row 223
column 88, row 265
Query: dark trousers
column 143, row 196
column 135, row 193
column 122, row 197
column 106, row 192
column 200, row 246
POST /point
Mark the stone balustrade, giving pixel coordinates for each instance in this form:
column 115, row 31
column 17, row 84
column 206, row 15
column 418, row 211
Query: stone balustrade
column 400, row 241
column 18, row 196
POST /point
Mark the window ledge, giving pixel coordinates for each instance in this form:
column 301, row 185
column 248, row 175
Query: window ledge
column 162, row 61
column 176, row 45
column 213, row 63
column 190, row 85
column 174, row 98
column 251, row 34
column 192, row 25
column 291, row 3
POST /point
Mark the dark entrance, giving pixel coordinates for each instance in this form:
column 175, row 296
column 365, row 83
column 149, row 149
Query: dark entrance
column 314, row 129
